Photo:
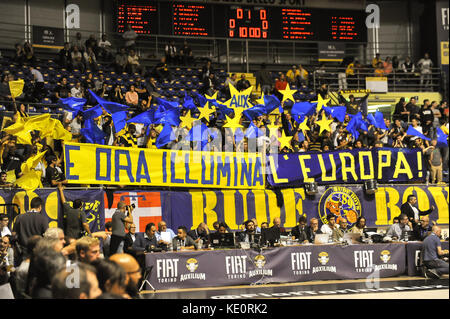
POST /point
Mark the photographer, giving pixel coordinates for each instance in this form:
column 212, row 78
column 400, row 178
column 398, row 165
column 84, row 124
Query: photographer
column 121, row 217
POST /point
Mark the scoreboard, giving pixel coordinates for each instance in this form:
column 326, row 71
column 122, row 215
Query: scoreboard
column 203, row 19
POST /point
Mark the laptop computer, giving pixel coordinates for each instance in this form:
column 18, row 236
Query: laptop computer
column 321, row 238
column 223, row 240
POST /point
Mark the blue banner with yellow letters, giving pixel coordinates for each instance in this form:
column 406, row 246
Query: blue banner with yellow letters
column 98, row 164
column 52, row 207
column 346, row 166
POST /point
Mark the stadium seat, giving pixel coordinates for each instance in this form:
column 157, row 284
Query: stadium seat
column 44, row 109
column 2, row 108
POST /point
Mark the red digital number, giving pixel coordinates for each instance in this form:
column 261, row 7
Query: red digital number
column 232, row 23
column 249, row 14
column 231, row 33
column 254, row 33
column 263, row 14
column 264, row 34
column 243, row 33
column 265, row 25
column 239, row 13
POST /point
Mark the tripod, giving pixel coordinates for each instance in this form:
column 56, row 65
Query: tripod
column 147, row 273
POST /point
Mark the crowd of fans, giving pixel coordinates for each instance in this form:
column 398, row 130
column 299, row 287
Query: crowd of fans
column 125, row 80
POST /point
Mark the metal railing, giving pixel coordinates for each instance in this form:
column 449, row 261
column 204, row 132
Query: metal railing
column 398, row 81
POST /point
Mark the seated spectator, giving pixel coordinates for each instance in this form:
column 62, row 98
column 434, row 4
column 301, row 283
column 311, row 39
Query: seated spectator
column 182, row 241
column 4, row 182
column 88, row 249
column 338, row 233
column 277, row 224
column 105, row 48
column 210, row 85
column 264, row 79
column 312, row 229
column 11, row 157
column 201, row 232
column 111, row 278
column 299, row 231
column 243, row 83
column 331, row 226
column 133, row 271
column 186, row 54
column 88, row 83
column 77, row 90
column 116, row 95
column 146, row 241
column 91, row 42
column 62, row 90
column 397, row 231
column 131, row 97
column 280, row 84
column 379, row 71
column 303, row 79
column 99, row 82
column 387, row 66
column 162, row 227
column 4, row 220
column 104, row 92
column 130, row 238
column 292, row 75
column 90, row 60
column 121, row 61
column 432, row 253
column 133, row 63
column 130, row 38
column 207, row 69
column 107, row 241
column 161, row 71
column 376, row 60
column 422, row 229
column 77, row 59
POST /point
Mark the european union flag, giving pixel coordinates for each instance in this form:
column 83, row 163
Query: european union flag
column 188, row 102
column 72, row 104
column 338, row 112
column 93, row 112
column 253, row 131
column 442, row 138
column 110, row 107
column 92, row 133
column 412, row 131
column 166, row 136
column 146, row 118
column 120, row 120
column 380, row 120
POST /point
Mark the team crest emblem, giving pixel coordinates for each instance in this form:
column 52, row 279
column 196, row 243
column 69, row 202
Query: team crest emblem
column 340, row 202
column 260, row 261
column 192, row 264
column 323, row 258
column 385, row 256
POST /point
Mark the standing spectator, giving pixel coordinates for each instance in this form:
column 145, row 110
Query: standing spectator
column 376, row 60
column 292, row 75
column 426, row 116
column 19, row 54
column 210, row 85
column 53, row 173
column 130, row 38
column 133, row 63
column 280, row 84
column 38, row 91
column 29, row 224
column 130, row 238
column 413, row 109
column 395, row 63
column 400, row 111
column 88, row 84
column 90, row 60
column 186, row 54
column 435, row 162
column 4, row 220
column 117, row 95
column 77, row 59
column 408, row 67
column 29, row 53
column 264, row 79
column 77, row 90
column 207, row 70
column 91, row 42
column 78, row 43
column 171, row 52
column 436, row 113
column 350, row 73
column 243, row 83
column 104, row 48
column 303, row 79
column 231, row 80
column 425, row 64
column 119, row 223
column 121, row 61
column 131, row 97
column 411, row 212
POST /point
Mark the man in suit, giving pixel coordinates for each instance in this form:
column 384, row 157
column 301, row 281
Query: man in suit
column 129, row 240
column 249, row 234
column 146, row 241
column 201, row 232
column 299, row 231
column 409, row 209
column 312, row 229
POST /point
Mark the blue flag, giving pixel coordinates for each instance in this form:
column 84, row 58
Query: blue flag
column 92, row 133
column 188, row 102
column 271, row 102
column 166, row 136
column 165, row 105
column 120, row 120
column 146, row 118
column 302, row 109
column 412, row 131
column 442, row 138
column 257, row 110
column 380, row 120
column 238, row 135
column 171, row 117
column 253, row 131
column 223, row 110
column 355, row 124
column 337, row 112
column 72, row 104
column 372, row 120
column 110, row 107
column 93, row 112
column 201, row 99
column 301, row 136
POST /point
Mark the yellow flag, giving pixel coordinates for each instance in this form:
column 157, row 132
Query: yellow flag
column 444, row 129
column 60, row 133
column 30, row 181
column 15, row 128
column 31, row 162
column 16, row 87
column 11, row 176
column 37, row 122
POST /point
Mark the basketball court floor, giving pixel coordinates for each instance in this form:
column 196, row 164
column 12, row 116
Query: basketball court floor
column 384, row 288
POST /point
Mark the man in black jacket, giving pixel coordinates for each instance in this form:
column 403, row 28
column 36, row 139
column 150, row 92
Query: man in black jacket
column 129, row 240
column 299, row 231
column 413, row 213
column 354, row 105
column 423, row 228
column 201, row 232
column 313, row 229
